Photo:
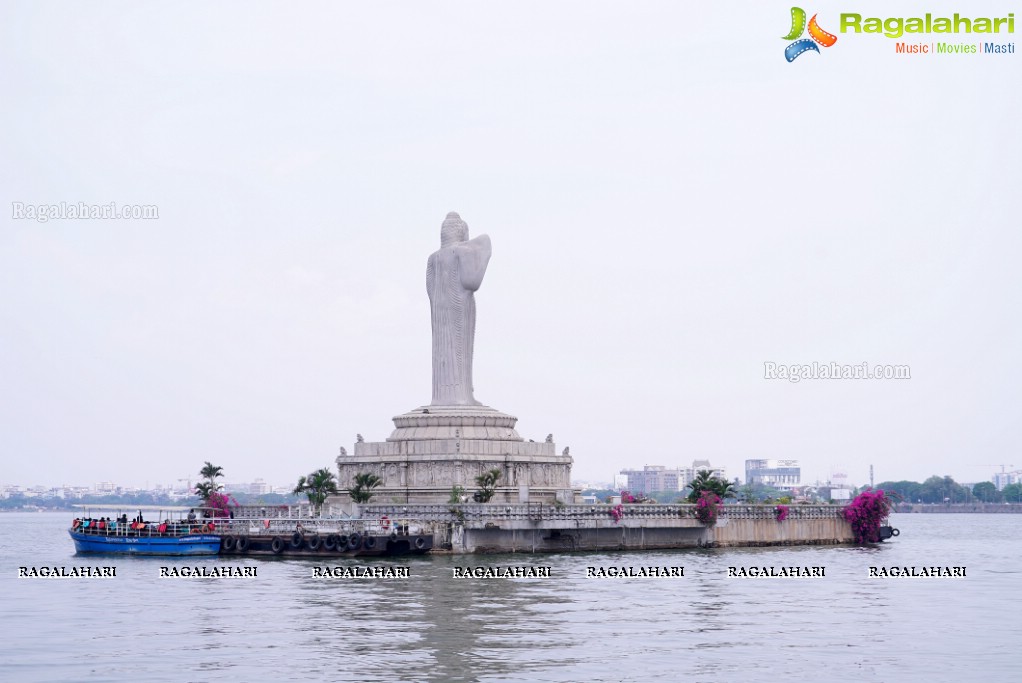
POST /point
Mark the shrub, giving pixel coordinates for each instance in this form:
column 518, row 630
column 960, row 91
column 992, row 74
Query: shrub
column 487, row 483
column 782, row 512
column 221, row 504
column 867, row 513
column 616, row 513
column 707, row 507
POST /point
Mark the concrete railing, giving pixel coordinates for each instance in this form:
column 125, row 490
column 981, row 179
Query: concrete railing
column 547, row 512
column 794, row 511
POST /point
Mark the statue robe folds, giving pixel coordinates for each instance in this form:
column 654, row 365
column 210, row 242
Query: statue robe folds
column 453, row 274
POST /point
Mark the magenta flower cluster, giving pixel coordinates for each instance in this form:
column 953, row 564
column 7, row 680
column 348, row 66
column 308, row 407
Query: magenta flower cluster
column 627, row 497
column 221, row 502
column 782, row 512
column 706, row 507
column 866, row 514
column 616, row 513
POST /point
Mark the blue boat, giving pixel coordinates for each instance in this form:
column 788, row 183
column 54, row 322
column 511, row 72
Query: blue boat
column 118, row 536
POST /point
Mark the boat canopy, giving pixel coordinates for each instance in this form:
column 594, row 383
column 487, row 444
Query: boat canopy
column 125, row 508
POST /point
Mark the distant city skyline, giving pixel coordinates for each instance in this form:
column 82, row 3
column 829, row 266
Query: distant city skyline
column 116, row 487
column 1008, row 476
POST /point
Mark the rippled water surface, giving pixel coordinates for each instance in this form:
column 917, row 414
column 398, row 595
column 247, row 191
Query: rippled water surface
column 286, row 625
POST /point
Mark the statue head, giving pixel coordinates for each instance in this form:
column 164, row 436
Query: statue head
column 453, row 230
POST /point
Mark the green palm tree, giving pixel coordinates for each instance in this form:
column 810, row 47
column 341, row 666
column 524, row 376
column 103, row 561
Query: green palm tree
column 487, row 483
column 317, row 486
column 211, row 472
column 362, row 490
column 204, row 490
column 705, row 481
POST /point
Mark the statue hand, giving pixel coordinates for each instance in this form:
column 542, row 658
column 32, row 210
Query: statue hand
column 473, row 257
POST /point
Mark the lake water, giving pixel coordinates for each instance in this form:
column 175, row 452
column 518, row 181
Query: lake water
column 285, row 625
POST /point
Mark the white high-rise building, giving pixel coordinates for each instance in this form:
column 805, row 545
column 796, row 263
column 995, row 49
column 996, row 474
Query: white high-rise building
column 653, row 478
column 781, row 474
column 1002, row 479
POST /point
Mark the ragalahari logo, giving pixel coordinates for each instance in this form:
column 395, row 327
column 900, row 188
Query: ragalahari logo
column 817, row 35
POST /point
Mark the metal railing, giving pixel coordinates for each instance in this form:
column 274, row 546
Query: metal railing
column 133, row 529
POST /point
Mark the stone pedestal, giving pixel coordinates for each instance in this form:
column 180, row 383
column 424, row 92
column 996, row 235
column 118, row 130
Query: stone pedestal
column 434, row 448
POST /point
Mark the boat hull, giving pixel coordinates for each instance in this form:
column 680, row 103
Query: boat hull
column 191, row 544
column 373, row 546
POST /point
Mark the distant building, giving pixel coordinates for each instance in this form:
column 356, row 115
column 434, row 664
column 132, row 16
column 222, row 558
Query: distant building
column 839, row 494
column 1002, row 479
column 649, row 478
column 78, row 491
column 653, row 478
column 704, row 465
column 780, row 474
column 258, row 488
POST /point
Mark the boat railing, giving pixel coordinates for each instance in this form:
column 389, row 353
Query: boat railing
column 250, row 526
column 134, row 529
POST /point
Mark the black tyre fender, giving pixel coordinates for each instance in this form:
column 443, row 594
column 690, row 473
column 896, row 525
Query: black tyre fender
column 277, row 545
column 330, row 542
column 895, row 532
column 314, row 542
column 297, row 539
column 227, row 543
column 242, row 544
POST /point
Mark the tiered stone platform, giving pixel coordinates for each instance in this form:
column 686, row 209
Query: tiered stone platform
column 434, row 448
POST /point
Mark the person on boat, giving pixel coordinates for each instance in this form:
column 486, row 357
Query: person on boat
column 191, row 515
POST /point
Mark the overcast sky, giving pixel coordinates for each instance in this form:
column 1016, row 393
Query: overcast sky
column 671, row 205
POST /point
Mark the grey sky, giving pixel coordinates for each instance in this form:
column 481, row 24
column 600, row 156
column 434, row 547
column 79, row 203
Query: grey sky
column 671, row 204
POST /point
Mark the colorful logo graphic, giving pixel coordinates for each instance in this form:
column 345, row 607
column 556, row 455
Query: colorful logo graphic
column 817, row 35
